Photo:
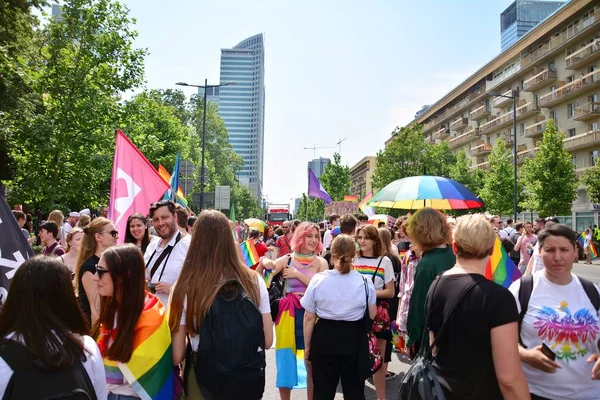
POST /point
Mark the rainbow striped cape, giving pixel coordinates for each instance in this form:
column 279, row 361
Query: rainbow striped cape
column 150, row 369
column 581, row 240
column 249, row 253
column 291, row 370
column 500, row 268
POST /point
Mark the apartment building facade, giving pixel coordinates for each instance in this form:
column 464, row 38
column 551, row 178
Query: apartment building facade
column 553, row 71
column 361, row 176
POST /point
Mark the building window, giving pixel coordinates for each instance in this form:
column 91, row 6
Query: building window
column 553, row 115
column 594, row 126
column 593, row 157
column 574, row 161
column 572, row 132
column 522, row 130
column 570, row 110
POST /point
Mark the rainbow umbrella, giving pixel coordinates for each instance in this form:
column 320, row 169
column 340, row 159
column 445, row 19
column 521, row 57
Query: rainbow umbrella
column 256, row 224
column 417, row 192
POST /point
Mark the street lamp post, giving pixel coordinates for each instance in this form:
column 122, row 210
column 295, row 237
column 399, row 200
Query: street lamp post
column 514, row 115
column 202, row 167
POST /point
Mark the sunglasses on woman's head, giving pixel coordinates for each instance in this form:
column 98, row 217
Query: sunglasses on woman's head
column 101, row 271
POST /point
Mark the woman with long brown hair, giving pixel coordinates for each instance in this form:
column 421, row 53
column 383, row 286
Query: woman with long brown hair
column 99, row 235
column 132, row 329
column 137, row 231
column 212, row 265
column 376, row 266
column 41, row 322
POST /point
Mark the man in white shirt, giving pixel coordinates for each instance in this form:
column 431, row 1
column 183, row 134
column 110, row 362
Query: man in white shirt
column 497, row 225
column 510, row 231
column 334, row 220
column 71, row 222
column 165, row 254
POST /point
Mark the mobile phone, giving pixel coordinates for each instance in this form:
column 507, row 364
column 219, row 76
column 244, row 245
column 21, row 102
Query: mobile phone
column 548, row 352
column 152, row 287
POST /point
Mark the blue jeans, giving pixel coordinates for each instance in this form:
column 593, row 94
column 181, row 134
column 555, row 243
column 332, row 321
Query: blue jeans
column 112, row 396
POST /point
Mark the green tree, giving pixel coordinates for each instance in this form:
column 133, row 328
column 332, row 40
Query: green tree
column 316, row 209
column 591, row 180
column 63, row 154
column 498, row 183
column 550, row 176
column 463, row 172
column 437, row 159
column 401, row 158
column 246, row 205
column 336, row 179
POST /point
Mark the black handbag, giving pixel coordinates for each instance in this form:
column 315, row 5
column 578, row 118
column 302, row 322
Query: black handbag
column 420, row 381
column 276, row 292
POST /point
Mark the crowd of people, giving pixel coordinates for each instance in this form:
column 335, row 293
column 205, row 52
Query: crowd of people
column 175, row 311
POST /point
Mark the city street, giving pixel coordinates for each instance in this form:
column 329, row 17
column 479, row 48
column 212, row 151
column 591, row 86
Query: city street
column 398, row 364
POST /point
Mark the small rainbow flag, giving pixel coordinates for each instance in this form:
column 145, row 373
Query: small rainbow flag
column 500, row 268
column 364, row 207
column 268, row 276
column 150, row 369
column 581, row 240
column 249, row 253
column 350, row 198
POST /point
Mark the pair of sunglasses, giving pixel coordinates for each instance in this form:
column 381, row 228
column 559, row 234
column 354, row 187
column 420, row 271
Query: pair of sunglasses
column 101, row 271
column 114, row 234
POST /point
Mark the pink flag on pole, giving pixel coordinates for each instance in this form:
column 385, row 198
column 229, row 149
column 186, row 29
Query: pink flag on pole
column 134, row 184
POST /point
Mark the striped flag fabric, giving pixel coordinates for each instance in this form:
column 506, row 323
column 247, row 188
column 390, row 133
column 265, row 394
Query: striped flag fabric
column 500, row 268
column 593, row 250
column 249, row 254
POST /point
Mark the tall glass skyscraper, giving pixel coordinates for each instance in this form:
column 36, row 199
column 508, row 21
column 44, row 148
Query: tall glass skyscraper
column 242, row 106
column 521, row 16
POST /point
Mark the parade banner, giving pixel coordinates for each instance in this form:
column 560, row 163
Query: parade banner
column 14, row 249
column 134, row 184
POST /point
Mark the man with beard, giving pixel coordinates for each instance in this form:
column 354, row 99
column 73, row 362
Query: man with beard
column 166, row 253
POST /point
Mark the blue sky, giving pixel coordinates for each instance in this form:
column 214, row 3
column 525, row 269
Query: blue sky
column 334, row 69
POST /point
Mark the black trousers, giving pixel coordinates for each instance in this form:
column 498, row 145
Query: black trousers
column 334, row 355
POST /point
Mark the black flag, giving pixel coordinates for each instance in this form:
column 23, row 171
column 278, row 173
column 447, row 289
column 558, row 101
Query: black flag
column 14, row 249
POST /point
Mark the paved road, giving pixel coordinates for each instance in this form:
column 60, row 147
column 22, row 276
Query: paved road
column 398, row 365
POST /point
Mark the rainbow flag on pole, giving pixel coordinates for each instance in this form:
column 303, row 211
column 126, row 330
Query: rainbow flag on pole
column 150, row 369
column 249, row 253
column 500, row 268
column 364, row 207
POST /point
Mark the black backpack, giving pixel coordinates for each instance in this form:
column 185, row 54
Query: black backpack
column 32, row 381
column 230, row 360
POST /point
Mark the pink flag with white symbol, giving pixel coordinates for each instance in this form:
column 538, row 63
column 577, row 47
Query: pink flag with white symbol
column 134, row 185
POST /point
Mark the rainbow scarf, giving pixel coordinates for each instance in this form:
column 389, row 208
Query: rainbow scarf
column 249, row 253
column 291, row 371
column 593, row 251
column 150, row 369
column 500, row 268
column 304, row 259
column 369, row 270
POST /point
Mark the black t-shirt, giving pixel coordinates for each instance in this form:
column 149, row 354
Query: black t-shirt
column 88, row 265
column 464, row 359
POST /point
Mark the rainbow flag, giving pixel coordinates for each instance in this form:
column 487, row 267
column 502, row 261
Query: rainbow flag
column 350, row 198
column 369, row 270
column 268, row 276
column 364, row 207
column 500, row 268
column 291, row 370
column 249, row 253
column 593, row 250
column 150, row 369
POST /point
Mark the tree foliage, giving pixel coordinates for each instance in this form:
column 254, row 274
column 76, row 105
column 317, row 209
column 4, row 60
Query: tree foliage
column 310, row 209
column 336, row 179
column 463, row 172
column 246, row 205
column 550, row 176
column 498, row 183
column 591, row 180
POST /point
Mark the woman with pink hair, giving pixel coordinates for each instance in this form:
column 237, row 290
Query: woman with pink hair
column 297, row 269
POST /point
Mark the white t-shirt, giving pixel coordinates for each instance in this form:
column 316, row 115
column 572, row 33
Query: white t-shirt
column 67, row 228
column 327, row 239
column 368, row 265
column 93, row 365
column 564, row 318
column 338, row 297
column 264, row 307
column 538, row 261
column 174, row 262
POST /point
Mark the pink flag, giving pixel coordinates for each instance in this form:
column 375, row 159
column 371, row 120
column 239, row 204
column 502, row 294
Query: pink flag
column 134, row 185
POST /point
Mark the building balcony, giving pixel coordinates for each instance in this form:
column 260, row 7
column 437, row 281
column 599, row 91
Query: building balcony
column 583, row 25
column 443, row 133
column 507, row 138
column 500, row 102
column 583, row 56
column 535, row 130
column 571, row 89
column 539, row 80
column 459, row 125
column 480, row 112
column 484, row 166
column 582, row 141
column 587, row 111
column 465, row 102
column 468, row 136
column 527, row 110
column 481, row 150
column 524, row 154
column 496, row 123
